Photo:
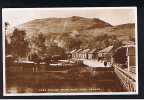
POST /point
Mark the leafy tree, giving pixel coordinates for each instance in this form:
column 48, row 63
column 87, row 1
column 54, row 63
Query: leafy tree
column 6, row 26
column 69, row 42
column 55, row 50
column 117, row 43
column 7, row 46
column 19, row 45
column 39, row 42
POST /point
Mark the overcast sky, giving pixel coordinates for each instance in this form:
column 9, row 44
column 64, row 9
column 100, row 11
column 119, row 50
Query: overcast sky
column 114, row 16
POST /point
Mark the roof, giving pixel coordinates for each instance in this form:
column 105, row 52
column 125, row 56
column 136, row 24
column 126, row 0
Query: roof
column 73, row 51
column 128, row 43
column 93, row 50
column 78, row 50
column 85, row 51
column 106, row 50
column 126, row 46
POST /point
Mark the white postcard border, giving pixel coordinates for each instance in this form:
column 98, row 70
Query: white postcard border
column 86, row 93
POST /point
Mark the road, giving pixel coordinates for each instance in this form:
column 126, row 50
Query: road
column 95, row 63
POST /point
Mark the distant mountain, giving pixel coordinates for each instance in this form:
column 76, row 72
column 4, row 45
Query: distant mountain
column 122, row 32
column 77, row 29
column 62, row 25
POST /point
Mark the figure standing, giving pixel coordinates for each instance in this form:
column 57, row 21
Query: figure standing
column 105, row 63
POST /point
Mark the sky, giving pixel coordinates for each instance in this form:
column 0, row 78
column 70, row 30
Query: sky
column 112, row 15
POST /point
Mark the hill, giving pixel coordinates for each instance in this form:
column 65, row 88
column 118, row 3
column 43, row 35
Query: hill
column 62, row 25
column 78, row 32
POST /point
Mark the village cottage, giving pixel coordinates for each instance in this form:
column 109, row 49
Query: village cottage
column 73, row 53
column 106, row 53
column 92, row 54
column 78, row 53
column 84, row 54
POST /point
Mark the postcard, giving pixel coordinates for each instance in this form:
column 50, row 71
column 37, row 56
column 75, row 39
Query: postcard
column 70, row 51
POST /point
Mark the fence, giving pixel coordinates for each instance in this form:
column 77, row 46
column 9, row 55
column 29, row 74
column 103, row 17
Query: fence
column 128, row 81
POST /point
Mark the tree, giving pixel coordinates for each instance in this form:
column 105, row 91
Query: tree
column 55, row 50
column 117, row 43
column 69, row 42
column 7, row 46
column 19, row 45
column 6, row 26
column 39, row 42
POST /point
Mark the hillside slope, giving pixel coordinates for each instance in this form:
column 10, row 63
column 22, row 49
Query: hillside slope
column 62, row 25
column 76, row 32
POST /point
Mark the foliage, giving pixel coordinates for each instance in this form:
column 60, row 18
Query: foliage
column 7, row 46
column 46, row 46
column 19, row 45
column 55, row 50
column 6, row 25
column 39, row 42
column 58, row 43
column 70, row 43
column 99, row 42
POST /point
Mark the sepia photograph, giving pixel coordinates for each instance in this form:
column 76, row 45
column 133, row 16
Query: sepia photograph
column 70, row 51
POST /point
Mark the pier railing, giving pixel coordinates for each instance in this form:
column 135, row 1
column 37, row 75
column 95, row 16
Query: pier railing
column 127, row 79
